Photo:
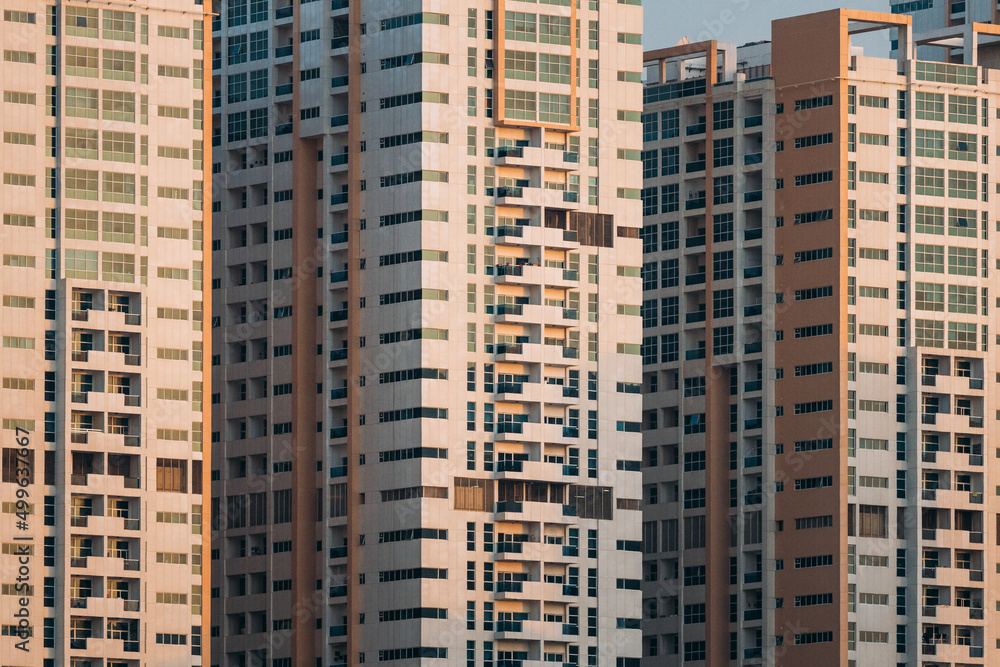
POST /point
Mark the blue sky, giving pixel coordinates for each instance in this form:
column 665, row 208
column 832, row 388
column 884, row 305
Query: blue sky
column 738, row 21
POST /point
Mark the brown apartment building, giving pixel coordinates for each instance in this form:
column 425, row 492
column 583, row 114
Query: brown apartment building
column 819, row 239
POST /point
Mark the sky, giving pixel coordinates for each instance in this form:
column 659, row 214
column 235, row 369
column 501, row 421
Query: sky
column 738, row 21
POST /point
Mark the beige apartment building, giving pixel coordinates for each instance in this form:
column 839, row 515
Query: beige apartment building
column 104, row 179
column 818, row 485
column 427, row 370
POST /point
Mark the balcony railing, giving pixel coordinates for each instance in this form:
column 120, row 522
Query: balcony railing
column 753, row 121
column 282, row 13
column 753, row 158
column 697, row 165
column 697, row 128
column 752, row 196
column 694, row 279
column 753, row 234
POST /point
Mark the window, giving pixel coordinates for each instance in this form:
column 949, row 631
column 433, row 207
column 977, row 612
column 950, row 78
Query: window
column 81, row 61
column 962, row 261
column 80, row 102
column 962, row 335
column 930, row 219
column 258, row 86
column 962, row 222
column 872, row 521
column 236, row 49
column 81, row 264
column 962, row 184
column 119, row 25
column 258, row 45
column 237, row 126
column 258, row 122
column 118, row 65
column 929, row 181
column 962, row 146
column 520, row 104
column 929, row 143
column 722, row 265
column 962, row 299
column 118, row 187
column 81, row 21
column 118, row 146
column 519, row 65
column 722, row 152
column 171, row 475
column 962, row 109
column 236, row 85
column 722, row 189
column 929, row 106
column 929, row 296
column 722, row 115
column 929, row 333
column 81, row 143
column 520, row 26
column 553, row 108
column 929, row 258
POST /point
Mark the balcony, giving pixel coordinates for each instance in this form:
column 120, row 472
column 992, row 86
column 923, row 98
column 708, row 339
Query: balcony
column 283, row 128
column 753, row 348
column 282, row 90
column 694, row 241
column 283, row 52
column 753, row 614
column 283, row 13
column 750, row 424
column 753, row 272
column 691, row 355
column 753, row 196
column 753, row 121
column 753, row 158
column 753, row 234
column 694, row 203
column 692, row 318
column 697, row 128
column 752, row 311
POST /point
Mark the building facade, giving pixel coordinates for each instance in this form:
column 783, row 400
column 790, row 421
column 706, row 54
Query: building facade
column 103, row 340
column 427, row 334
column 816, row 485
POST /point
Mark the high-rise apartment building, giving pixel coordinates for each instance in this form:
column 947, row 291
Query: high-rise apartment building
column 819, row 240
column 427, row 280
column 103, row 182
